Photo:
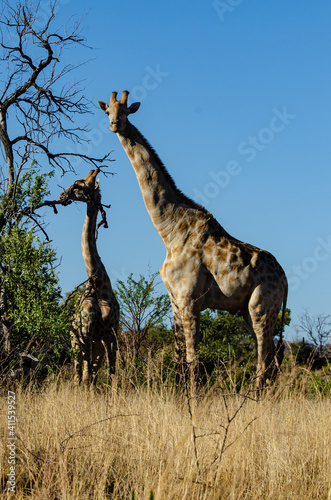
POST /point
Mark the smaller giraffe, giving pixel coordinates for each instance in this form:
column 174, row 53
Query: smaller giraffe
column 95, row 325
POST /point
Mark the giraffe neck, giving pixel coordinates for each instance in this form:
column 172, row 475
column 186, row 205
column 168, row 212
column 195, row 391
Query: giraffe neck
column 94, row 266
column 165, row 203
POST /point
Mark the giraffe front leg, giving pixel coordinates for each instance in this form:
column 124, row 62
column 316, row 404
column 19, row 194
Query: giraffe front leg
column 86, row 365
column 110, row 344
column 75, row 344
column 186, row 321
column 191, row 327
column 179, row 345
column 86, row 353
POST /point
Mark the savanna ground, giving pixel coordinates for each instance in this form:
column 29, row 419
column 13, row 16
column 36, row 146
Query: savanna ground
column 150, row 441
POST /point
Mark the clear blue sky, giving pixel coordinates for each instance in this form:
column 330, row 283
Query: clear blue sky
column 236, row 100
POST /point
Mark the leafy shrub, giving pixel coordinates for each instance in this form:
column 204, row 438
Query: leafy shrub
column 31, row 314
column 319, row 382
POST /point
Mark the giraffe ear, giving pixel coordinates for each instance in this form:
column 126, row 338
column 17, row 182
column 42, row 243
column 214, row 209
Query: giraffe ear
column 97, row 182
column 133, row 108
column 103, row 105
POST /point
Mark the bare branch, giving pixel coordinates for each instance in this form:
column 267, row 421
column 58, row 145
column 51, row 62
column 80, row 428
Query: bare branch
column 316, row 328
column 33, row 68
column 63, row 443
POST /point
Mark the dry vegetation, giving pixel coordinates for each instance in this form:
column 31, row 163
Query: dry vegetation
column 126, row 442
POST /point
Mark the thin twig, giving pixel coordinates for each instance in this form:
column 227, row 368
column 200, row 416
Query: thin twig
column 66, row 440
column 226, row 428
column 74, row 291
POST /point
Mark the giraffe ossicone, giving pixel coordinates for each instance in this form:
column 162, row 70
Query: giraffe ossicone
column 95, row 325
column 205, row 267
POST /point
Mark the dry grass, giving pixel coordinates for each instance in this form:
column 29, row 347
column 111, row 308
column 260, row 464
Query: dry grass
column 106, row 445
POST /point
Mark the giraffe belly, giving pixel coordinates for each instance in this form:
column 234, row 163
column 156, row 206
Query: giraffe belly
column 220, row 274
column 187, row 281
column 225, row 298
column 226, row 292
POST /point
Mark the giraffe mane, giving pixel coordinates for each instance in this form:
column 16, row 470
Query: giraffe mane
column 211, row 221
column 165, row 172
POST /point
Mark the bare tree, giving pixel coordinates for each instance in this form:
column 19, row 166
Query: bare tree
column 316, row 328
column 40, row 112
column 37, row 105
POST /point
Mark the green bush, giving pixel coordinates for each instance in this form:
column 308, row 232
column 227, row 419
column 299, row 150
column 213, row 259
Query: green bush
column 31, row 310
column 319, row 382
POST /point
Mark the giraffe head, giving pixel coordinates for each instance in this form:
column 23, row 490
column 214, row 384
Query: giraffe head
column 86, row 190
column 118, row 111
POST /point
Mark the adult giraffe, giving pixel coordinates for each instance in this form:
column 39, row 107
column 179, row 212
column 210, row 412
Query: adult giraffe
column 95, row 325
column 205, row 267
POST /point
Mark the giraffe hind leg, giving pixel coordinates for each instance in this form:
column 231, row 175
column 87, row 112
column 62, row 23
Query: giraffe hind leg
column 263, row 319
column 110, row 345
column 97, row 359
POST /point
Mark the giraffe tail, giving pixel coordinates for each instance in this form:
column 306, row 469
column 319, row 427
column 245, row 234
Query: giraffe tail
column 281, row 345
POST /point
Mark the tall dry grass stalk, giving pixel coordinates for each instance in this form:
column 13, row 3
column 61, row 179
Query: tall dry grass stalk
column 107, row 445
